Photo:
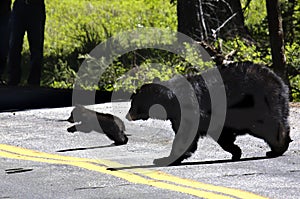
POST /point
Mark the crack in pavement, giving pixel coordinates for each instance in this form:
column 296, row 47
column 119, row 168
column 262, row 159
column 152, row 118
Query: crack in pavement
column 17, row 170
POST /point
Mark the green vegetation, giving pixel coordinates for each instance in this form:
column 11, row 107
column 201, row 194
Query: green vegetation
column 74, row 28
column 258, row 49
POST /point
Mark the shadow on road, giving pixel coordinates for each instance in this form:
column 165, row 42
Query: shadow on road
column 23, row 98
column 17, row 170
column 85, row 148
column 191, row 163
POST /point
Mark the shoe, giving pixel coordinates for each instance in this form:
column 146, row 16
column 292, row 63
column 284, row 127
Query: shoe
column 3, row 83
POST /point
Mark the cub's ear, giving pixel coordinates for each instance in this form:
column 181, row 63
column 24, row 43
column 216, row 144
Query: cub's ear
column 156, row 80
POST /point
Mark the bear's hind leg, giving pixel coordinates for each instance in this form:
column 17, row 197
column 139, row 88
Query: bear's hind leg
column 226, row 141
column 275, row 133
column 280, row 140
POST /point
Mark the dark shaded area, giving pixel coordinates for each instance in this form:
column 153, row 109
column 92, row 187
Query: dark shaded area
column 102, row 187
column 5, row 11
column 192, row 163
column 294, row 171
column 22, row 98
column 17, row 170
column 85, row 148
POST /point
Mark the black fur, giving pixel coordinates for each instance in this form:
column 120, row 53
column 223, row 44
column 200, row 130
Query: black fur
column 112, row 126
column 257, row 104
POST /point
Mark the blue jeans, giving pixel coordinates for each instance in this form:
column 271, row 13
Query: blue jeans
column 4, row 35
column 26, row 17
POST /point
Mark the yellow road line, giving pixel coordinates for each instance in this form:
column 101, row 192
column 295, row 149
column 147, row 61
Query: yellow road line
column 157, row 179
column 130, row 177
column 158, row 175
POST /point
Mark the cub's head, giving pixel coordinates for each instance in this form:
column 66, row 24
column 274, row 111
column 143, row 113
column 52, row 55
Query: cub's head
column 150, row 101
column 79, row 111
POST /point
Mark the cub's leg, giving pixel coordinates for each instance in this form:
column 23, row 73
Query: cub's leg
column 72, row 129
column 118, row 136
column 226, row 141
column 79, row 127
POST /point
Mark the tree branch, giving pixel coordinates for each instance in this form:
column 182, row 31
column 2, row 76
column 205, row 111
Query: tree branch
column 202, row 20
column 222, row 25
column 247, row 5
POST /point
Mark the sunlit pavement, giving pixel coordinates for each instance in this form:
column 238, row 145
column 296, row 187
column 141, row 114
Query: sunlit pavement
column 40, row 159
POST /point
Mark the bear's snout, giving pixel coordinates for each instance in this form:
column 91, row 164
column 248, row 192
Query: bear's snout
column 128, row 117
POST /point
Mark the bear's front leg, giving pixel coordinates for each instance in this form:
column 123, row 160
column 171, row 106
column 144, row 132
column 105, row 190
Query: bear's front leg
column 167, row 161
column 184, row 145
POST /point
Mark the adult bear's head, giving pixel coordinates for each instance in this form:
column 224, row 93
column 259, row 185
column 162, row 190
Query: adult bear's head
column 153, row 101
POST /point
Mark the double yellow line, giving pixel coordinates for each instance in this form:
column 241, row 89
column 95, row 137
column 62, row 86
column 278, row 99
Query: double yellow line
column 138, row 176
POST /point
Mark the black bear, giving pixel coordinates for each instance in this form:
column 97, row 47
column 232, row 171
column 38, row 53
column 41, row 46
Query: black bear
column 112, row 126
column 256, row 102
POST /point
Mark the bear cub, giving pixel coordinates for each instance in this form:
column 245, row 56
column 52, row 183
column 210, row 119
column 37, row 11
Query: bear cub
column 112, row 126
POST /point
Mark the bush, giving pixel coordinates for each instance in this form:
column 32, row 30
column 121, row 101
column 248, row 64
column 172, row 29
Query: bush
column 74, row 28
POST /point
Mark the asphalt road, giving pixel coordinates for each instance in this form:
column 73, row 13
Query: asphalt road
column 40, row 159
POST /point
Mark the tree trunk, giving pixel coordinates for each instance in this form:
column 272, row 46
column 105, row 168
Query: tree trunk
column 200, row 18
column 288, row 20
column 276, row 38
column 239, row 19
column 187, row 15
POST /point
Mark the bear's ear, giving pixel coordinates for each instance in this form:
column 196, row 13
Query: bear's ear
column 156, row 80
column 133, row 94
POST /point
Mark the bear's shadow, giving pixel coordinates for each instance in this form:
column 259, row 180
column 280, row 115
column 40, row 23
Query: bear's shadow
column 85, row 148
column 192, row 163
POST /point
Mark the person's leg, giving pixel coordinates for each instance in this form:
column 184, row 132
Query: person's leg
column 17, row 25
column 4, row 35
column 5, row 11
column 35, row 33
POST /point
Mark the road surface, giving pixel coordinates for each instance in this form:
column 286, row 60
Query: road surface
column 40, row 159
